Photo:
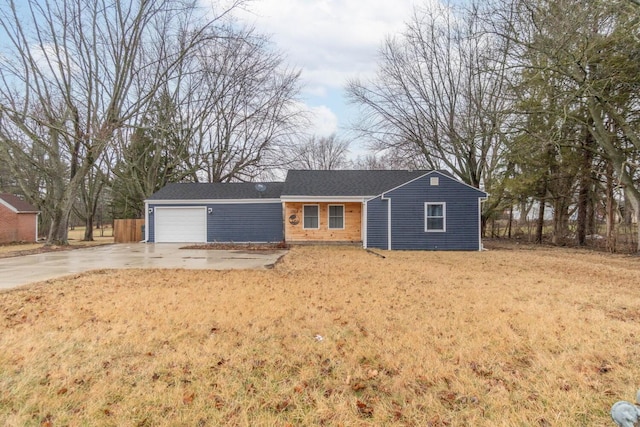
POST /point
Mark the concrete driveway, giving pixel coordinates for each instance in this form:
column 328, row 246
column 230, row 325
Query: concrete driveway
column 22, row 270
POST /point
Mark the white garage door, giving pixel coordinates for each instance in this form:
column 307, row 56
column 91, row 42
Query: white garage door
column 180, row 225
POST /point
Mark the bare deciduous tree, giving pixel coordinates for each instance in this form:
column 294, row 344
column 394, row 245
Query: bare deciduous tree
column 388, row 160
column 70, row 77
column 238, row 103
column 320, row 153
column 227, row 114
column 440, row 95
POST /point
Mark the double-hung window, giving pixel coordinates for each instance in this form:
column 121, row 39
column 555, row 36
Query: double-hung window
column 336, row 216
column 311, row 216
column 435, row 216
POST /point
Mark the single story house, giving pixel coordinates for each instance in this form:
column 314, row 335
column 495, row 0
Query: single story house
column 18, row 220
column 386, row 209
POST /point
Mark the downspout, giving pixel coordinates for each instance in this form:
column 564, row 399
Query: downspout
column 146, row 222
column 37, row 215
column 480, row 201
column 388, row 221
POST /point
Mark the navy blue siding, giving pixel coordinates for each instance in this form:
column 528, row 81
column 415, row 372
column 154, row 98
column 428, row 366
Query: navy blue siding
column 150, row 224
column 377, row 224
column 245, row 222
column 408, row 215
column 239, row 222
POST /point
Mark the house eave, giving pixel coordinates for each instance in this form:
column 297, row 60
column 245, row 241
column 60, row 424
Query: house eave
column 208, row 201
column 383, row 195
column 358, row 199
column 8, row 206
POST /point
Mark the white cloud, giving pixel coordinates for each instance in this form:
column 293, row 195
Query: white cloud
column 323, row 121
column 331, row 40
column 319, row 120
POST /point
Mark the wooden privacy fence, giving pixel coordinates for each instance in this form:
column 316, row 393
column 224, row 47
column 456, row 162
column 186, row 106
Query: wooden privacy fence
column 128, row 230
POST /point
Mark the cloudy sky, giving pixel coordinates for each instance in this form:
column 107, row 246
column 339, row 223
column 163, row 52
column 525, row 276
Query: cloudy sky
column 331, row 41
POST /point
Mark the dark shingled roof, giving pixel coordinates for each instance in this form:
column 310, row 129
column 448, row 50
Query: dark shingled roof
column 18, row 204
column 345, row 183
column 208, row 191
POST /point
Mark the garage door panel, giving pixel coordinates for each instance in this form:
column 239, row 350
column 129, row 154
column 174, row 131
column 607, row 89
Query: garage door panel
column 180, row 225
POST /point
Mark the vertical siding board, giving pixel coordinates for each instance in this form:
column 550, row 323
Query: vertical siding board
column 407, row 213
column 127, row 230
column 352, row 231
column 377, row 230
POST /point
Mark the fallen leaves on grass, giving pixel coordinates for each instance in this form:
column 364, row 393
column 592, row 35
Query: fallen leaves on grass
column 529, row 338
column 364, row 409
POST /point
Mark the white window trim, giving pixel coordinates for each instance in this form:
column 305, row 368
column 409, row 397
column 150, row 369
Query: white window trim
column 444, row 217
column 329, row 218
column 303, row 224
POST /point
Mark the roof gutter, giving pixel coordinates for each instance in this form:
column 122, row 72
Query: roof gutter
column 200, row 202
column 382, row 197
column 301, row 198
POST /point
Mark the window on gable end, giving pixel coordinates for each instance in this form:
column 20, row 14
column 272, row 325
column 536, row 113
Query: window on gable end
column 435, row 216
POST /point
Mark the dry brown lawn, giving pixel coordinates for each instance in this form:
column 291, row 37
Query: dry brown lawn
column 10, row 249
column 75, row 241
column 331, row 336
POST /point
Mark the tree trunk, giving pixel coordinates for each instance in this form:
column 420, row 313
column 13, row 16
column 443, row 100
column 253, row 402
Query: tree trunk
column 610, row 206
column 91, row 199
column 483, row 225
column 59, row 231
column 581, row 232
column 585, row 188
column 88, row 229
column 540, row 225
column 560, row 221
column 524, row 208
column 628, row 212
column 633, row 198
column 605, row 138
column 592, row 224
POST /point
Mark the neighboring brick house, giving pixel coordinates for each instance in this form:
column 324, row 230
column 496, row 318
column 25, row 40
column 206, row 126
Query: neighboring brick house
column 18, row 220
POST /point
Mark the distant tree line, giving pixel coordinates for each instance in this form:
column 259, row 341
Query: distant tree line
column 535, row 101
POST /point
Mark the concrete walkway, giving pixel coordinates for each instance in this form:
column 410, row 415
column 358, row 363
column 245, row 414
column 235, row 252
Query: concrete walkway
column 22, row 270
